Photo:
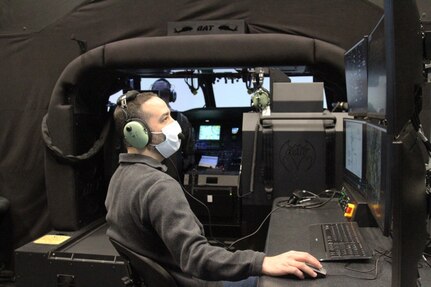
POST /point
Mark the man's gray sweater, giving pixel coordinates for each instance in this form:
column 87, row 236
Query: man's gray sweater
column 148, row 212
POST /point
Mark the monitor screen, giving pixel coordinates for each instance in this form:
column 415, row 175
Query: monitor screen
column 235, row 130
column 354, row 152
column 355, row 63
column 208, row 161
column 377, row 72
column 376, row 195
column 209, row 132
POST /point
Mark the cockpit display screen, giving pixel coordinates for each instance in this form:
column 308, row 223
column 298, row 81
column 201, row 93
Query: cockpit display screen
column 209, row 132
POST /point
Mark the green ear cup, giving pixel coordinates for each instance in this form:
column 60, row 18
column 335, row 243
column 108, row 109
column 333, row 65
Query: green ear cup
column 260, row 99
column 136, row 134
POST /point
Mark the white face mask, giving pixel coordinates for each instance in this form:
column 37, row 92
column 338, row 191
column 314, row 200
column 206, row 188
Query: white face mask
column 171, row 143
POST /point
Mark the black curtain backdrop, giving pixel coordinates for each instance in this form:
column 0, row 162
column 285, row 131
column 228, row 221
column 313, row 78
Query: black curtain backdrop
column 38, row 39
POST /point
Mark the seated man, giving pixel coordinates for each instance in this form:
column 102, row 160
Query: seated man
column 149, row 213
column 184, row 158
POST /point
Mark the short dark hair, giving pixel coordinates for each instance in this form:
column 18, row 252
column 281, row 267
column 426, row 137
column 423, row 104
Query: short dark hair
column 161, row 85
column 132, row 111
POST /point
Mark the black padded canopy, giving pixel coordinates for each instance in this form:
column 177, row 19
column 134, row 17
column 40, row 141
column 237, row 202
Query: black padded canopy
column 55, row 51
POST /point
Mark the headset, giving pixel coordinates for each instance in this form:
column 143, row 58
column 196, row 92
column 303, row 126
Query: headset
column 162, row 85
column 260, row 99
column 135, row 131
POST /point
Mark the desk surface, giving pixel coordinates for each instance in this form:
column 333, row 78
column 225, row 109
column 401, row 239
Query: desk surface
column 288, row 230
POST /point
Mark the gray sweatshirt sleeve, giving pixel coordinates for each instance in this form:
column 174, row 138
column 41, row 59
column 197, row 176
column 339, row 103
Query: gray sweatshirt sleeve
column 176, row 224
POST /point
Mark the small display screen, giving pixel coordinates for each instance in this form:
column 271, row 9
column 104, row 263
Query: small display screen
column 353, row 146
column 209, row 132
column 208, row 161
column 377, row 72
column 375, row 173
column 355, row 62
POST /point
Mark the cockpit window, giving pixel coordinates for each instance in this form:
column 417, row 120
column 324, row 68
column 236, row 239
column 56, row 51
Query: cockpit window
column 228, row 91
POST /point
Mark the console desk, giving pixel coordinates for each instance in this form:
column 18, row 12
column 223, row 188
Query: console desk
column 288, row 230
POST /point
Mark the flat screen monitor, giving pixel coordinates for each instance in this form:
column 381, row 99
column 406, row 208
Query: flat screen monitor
column 404, row 46
column 354, row 154
column 377, row 73
column 209, row 132
column 377, row 195
column 355, row 63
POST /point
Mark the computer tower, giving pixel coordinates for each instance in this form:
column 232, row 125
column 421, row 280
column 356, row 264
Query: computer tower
column 285, row 152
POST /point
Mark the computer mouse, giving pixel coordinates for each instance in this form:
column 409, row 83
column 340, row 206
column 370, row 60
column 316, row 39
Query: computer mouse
column 321, row 273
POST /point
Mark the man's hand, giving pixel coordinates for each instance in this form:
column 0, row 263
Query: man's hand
column 292, row 262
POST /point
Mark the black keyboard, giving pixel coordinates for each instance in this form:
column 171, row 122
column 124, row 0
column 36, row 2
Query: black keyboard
column 338, row 241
